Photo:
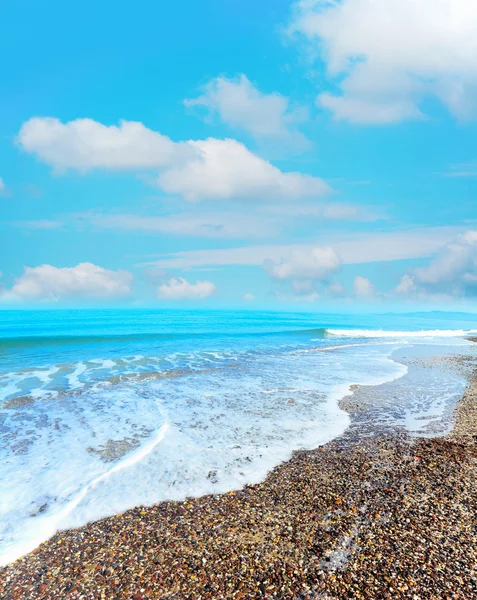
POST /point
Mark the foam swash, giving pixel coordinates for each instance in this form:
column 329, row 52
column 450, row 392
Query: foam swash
column 174, row 405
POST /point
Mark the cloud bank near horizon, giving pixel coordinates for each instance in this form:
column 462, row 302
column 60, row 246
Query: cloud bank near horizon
column 308, row 272
column 47, row 283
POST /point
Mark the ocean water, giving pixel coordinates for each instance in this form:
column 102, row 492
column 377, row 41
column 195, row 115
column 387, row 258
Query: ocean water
column 104, row 410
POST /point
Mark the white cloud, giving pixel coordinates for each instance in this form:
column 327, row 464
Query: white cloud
column 196, row 170
column 266, row 220
column 225, row 169
column 310, row 298
column 86, row 280
column 206, row 225
column 367, row 111
column 363, row 288
column 323, row 210
column 180, row 289
column 248, row 297
column 468, row 169
column 353, row 248
column 304, row 269
column 407, row 285
column 388, row 56
column 84, row 144
column 3, row 187
column 336, row 290
column 453, row 272
column 240, row 104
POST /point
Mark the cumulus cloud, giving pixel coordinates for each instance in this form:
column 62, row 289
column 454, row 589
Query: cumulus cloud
column 388, row 56
column 305, row 270
column 363, row 288
column 407, row 285
column 240, row 104
column 87, row 281
column 248, row 297
column 195, row 170
column 3, row 187
column 317, row 264
column 180, row 289
column 336, row 290
column 453, row 272
column 225, row 169
column 84, row 144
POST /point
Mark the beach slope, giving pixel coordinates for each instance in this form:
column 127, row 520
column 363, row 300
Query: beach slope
column 369, row 516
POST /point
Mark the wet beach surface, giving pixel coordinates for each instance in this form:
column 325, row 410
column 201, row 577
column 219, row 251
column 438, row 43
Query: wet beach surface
column 375, row 513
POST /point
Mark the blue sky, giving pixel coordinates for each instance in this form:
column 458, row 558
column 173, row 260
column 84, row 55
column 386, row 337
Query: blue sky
column 256, row 154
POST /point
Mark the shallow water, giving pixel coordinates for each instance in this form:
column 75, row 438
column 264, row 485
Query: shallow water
column 105, row 410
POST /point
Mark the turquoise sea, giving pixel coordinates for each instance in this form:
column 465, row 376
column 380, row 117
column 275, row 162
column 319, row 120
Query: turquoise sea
column 103, row 410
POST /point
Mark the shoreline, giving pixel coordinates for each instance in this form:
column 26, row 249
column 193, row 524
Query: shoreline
column 385, row 515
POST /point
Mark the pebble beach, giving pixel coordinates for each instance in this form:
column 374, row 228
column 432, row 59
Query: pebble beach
column 373, row 514
column 238, row 300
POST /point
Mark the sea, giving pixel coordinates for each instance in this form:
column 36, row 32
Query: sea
column 105, row 410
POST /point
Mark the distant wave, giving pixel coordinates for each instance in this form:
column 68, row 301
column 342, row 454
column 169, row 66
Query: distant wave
column 380, row 333
column 315, row 331
column 27, row 341
column 8, row 343
column 53, row 340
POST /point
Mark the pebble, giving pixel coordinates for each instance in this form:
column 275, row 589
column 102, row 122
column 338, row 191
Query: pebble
column 365, row 517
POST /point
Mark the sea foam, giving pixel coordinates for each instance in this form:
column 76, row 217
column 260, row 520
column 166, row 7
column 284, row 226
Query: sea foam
column 92, row 429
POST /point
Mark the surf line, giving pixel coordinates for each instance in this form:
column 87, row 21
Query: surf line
column 53, row 524
column 123, row 464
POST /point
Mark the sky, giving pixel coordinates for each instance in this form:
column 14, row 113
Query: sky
column 316, row 155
